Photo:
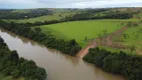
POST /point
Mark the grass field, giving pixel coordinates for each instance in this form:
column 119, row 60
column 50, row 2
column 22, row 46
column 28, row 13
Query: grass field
column 134, row 37
column 55, row 16
column 80, row 29
column 41, row 18
column 2, row 77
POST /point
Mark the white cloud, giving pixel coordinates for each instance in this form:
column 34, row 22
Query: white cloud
column 109, row 3
column 69, row 3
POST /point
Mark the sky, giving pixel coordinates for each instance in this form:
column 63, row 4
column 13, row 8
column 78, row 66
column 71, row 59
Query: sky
column 25, row 4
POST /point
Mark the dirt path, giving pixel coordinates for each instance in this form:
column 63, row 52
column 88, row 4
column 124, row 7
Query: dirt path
column 108, row 41
column 84, row 51
column 139, row 52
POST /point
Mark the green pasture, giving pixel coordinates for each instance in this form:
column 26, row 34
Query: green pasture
column 79, row 30
column 54, row 16
column 134, row 37
column 41, row 19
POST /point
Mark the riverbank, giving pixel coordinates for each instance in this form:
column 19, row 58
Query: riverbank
column 55, row 62
column 116, row 62
column 70, row 47
column 17, row 67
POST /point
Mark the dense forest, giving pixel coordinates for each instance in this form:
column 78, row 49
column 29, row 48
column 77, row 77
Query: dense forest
column 12, row 65
column 69, row 47
column 99, row 14
column 129, row 66
column 10, row 14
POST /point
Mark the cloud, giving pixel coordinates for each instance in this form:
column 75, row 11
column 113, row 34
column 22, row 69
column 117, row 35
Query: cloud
column 69, row 3
column 110, row 3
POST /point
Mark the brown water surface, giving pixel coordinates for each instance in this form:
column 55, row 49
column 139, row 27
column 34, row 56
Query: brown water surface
column 58, row 65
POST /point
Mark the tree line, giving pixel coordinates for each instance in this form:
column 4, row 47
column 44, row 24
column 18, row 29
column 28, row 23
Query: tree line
column 77, row 17
column 70, row 47
column 87, row 14
column 10, row 14
column 122, row 63
column 13, row 65
column 90, row 16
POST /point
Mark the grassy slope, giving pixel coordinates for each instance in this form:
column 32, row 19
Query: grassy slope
column 21, row 11
column 41, row 18
column 132, row 40
column 133, row 32
column 80, row 29
column 57, row 15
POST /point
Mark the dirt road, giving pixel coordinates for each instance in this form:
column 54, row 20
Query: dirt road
column 84, row 51
column 108, row 42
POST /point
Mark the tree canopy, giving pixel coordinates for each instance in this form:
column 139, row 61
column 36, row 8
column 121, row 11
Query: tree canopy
column 13, row 65
column 129, row 66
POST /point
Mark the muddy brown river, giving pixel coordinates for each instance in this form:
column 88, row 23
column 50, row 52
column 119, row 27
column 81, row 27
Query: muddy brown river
column 58, row 65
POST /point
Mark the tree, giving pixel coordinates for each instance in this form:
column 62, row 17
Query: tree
column 1, row 40
column 132, row 48
column 135, row 24
column 16, row 73
column 38, row 29
column 105, row 33
column 14, row 55
column 137, row 36
column 129, row 24
column 100, row 37
column 119, row 63
column 85, row 38
column 125, row 35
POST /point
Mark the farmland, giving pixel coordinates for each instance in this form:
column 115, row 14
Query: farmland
column 57, row 14
column 79, row 30
column 131, row 37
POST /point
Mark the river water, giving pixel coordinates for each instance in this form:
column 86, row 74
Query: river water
column 58, row 65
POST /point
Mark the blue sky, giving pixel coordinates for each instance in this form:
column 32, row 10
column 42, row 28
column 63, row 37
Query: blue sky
column 22, row 4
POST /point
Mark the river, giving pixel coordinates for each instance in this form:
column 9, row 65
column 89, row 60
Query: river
column 58, row 65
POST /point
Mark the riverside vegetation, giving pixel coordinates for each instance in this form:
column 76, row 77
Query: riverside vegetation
column 12, row 65
column 69, row 47
column 128, row 65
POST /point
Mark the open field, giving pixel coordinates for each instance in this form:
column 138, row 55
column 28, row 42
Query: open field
column 134, row 37
column 78, row 30
column 57, row 15
column 41, row 18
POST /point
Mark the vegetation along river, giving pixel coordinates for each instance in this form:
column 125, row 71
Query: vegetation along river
column 58, row 65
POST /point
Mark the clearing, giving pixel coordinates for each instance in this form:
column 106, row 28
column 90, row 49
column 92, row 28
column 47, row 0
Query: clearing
column 131, row 37
column 82, row 31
